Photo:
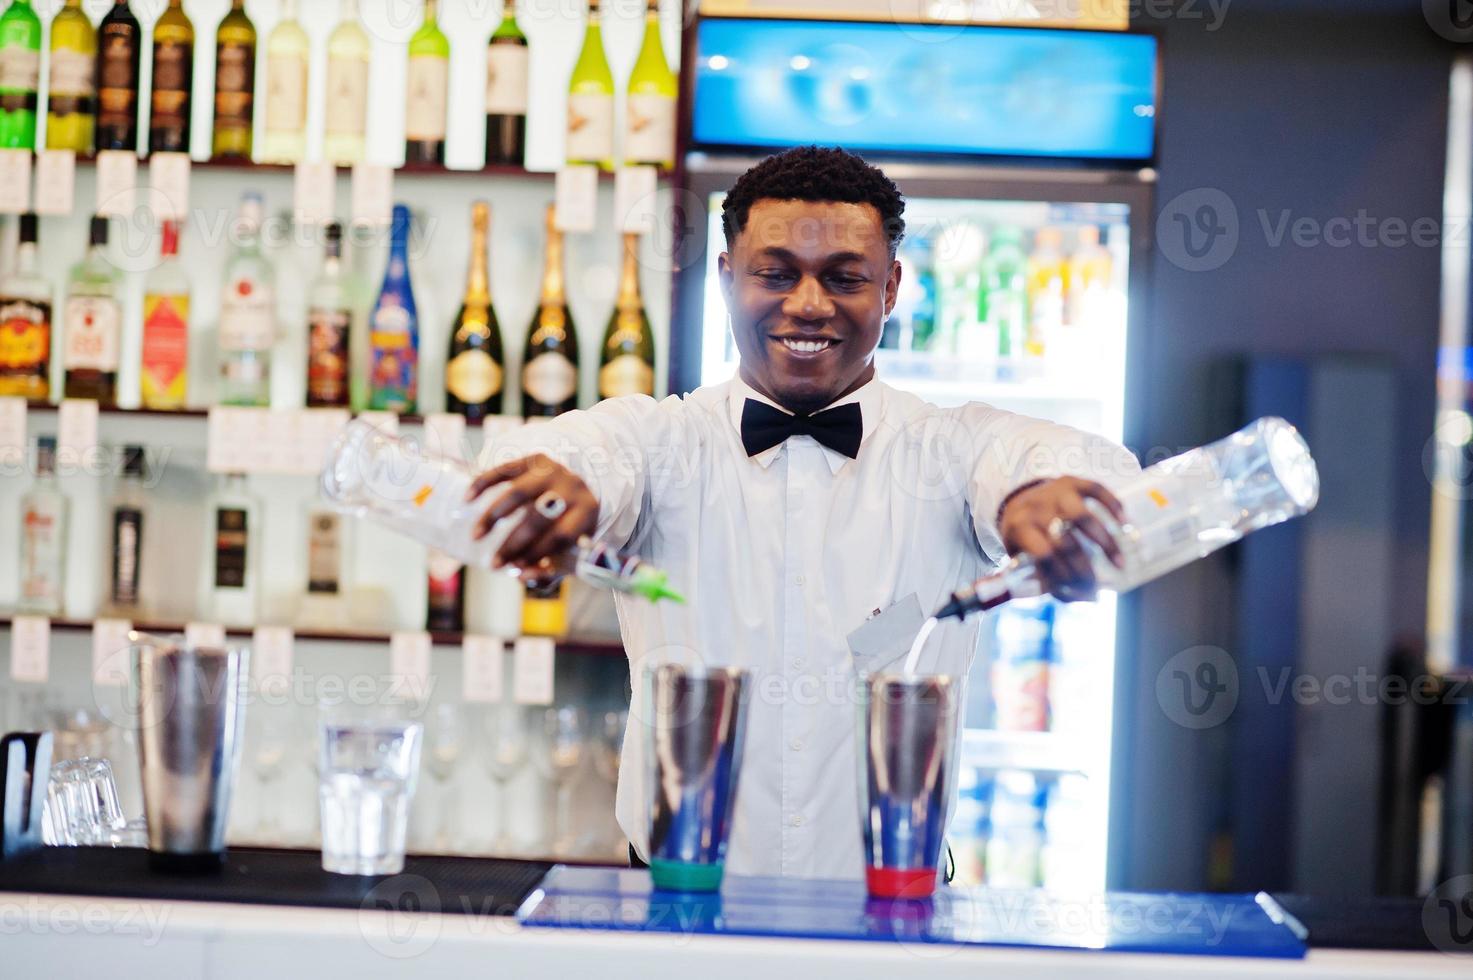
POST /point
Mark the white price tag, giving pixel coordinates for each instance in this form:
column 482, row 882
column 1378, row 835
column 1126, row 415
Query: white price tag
column 168, row 175
column 634, row 199
column 241, row 440
column 385, row 422
column 409, row 664
column 12, row 427
column 76, row 427
column 314, row 193
column 483, row 660
column 30, row 649
column 577, row 198
column 271, row 656
column 211, row 635
column 531, row 670
column 373, row 195
column 315, row 431
column 445, row 434
column 56, row 181
column 117, row 183
column 15, row 181
column 111, row 661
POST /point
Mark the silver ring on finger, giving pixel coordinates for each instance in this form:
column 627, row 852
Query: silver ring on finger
column 550, row 506
column 1056, row 528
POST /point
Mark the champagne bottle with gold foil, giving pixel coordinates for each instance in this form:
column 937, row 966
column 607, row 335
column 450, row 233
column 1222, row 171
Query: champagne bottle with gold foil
column 173, row 77
column 550, row 358
column 627, row 361
column 119, row 42
column 235, row 84
column 474, row 367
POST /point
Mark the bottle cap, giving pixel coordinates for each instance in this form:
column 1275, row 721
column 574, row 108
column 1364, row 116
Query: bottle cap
column 28, row 226
column 334, row 235
column 98, row 231
column 653, row 584
column 134, row 463
column 169, row 243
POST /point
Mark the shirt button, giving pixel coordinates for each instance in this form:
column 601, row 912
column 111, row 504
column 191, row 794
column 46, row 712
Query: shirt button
column 798, row 663
column 798, row 580
column 797, row 820
column 796, row 744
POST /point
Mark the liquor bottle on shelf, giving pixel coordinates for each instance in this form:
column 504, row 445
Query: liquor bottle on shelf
column 173, row 81
column 235, row 84
column 71, row 104
column 247, row 314
column 550, row 358
column 445, row 609
column 43, row 537
column 474, row 366
column 394, row 330
column 287, row 54
column 233, row 537
column 627, row 364
column 20, row 75
column 92, row 323
column 347, row 89
column 649, row 113
column 507, row 64
column 324, row 604
column 590, row 133
column 429, row 78
column 125, row 528
column 329, row 325
column 163, row 377
column 119, row 46
column 25, row 322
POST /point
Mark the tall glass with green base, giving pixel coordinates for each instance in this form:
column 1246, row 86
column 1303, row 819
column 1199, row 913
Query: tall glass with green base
column 694, row 729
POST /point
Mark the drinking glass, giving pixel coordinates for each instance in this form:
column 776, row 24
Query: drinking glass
column 368, row 762
column 610, row 745
column 444, row 740
column 268, row 748
column 563, row 728
column 506, row 726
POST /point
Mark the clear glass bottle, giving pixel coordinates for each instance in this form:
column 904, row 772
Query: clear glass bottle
column 125, row 526
column 25, row 322
column 288, row 52
column 233, row 543
column 1179, row 510
column 163, row 376
column 329, row 327
column 93, row 323
column 43, row 537
column 347, row 88
column 247, row 313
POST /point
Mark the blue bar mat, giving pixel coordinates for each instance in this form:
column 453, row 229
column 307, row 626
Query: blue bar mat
column 790, row 908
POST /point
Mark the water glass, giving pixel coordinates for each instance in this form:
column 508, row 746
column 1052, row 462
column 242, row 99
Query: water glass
column 367, row 766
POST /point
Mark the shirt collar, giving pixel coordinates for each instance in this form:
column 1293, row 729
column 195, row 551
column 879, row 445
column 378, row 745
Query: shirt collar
column 869, row 396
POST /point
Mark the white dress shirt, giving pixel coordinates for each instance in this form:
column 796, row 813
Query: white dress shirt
column 780, row 556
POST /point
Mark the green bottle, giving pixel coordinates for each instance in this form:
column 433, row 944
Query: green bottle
column 649, row 114
column 429, row 80
column 590, row 135
column 20, row 75
column 71, row 103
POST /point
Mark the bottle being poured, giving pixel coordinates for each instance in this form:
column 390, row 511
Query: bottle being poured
column 1177, row 511
column 398, row 483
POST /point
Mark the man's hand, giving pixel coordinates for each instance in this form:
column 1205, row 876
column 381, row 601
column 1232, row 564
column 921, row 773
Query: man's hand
column 538, row 536
column 1031, row 522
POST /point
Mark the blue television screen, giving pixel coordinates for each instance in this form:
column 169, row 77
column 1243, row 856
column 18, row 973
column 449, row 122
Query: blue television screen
column 925, row 89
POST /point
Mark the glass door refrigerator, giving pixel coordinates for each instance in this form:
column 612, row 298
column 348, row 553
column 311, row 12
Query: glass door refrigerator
column 1024, row 156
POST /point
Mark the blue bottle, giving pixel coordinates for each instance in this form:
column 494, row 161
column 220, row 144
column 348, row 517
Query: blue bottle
column 393, row 337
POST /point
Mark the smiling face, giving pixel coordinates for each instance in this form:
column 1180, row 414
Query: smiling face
column 808, row 286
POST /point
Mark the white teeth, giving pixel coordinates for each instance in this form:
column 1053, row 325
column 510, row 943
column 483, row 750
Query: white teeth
column 806, row 346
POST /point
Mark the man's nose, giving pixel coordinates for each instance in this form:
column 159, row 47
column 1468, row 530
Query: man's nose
column 808, row 301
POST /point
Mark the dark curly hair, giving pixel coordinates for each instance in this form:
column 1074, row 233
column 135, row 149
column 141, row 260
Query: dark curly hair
column 815, row 173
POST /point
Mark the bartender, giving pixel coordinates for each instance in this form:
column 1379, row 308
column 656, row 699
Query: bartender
column 797, row 500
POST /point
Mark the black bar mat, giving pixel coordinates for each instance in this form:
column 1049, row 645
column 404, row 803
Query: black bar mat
column 258, row 876
column 1377, row 923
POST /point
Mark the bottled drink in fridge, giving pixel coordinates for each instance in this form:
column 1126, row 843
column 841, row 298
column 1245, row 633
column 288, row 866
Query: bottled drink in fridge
column 93, row 323
column 20, row 75
column 247, row 314
column 25, row 322
column 1003, row 294
column 235, row 84
column 627, row 364
column 119, row 49
column 590, row 132
column 399, row 484
column 649, row 111
column 507, row 68
column 426, row 99
column 475, row 363
column 288, row 51
column 43, row 537
column 1089, row 278
column 126, row 524
column 173, row 77
column 71, row 102
column 164, row 376
column 1048, row 273
column 347, row 89
column 329, row 326
column 1179, row 510
column 394, row 329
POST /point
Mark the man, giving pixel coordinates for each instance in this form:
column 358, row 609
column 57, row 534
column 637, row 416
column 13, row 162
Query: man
column 793, row 501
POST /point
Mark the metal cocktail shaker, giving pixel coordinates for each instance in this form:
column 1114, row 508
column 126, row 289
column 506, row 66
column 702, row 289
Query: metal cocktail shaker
column 693, row 750
column 908, row 762
column 190, row 715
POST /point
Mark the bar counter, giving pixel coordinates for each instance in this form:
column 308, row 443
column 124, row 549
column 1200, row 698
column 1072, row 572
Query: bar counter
column 459, row 925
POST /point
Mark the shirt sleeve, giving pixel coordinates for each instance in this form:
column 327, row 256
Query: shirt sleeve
column 1009, row 451
column 625, row 449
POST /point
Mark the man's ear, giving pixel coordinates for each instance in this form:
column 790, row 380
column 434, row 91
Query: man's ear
column 892, row 287
column 724, row 275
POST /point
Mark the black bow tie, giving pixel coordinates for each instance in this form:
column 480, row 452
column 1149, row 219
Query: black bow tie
column 839, row 428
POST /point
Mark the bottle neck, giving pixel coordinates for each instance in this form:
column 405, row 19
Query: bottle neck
column 431, row 12
column 478, row 287
column 348, row 10
column 26, row 258
column 629, row 276
column 552, row 272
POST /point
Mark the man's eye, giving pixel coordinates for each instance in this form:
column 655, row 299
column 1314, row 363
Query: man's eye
column 773, row 275
column 847, row 281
